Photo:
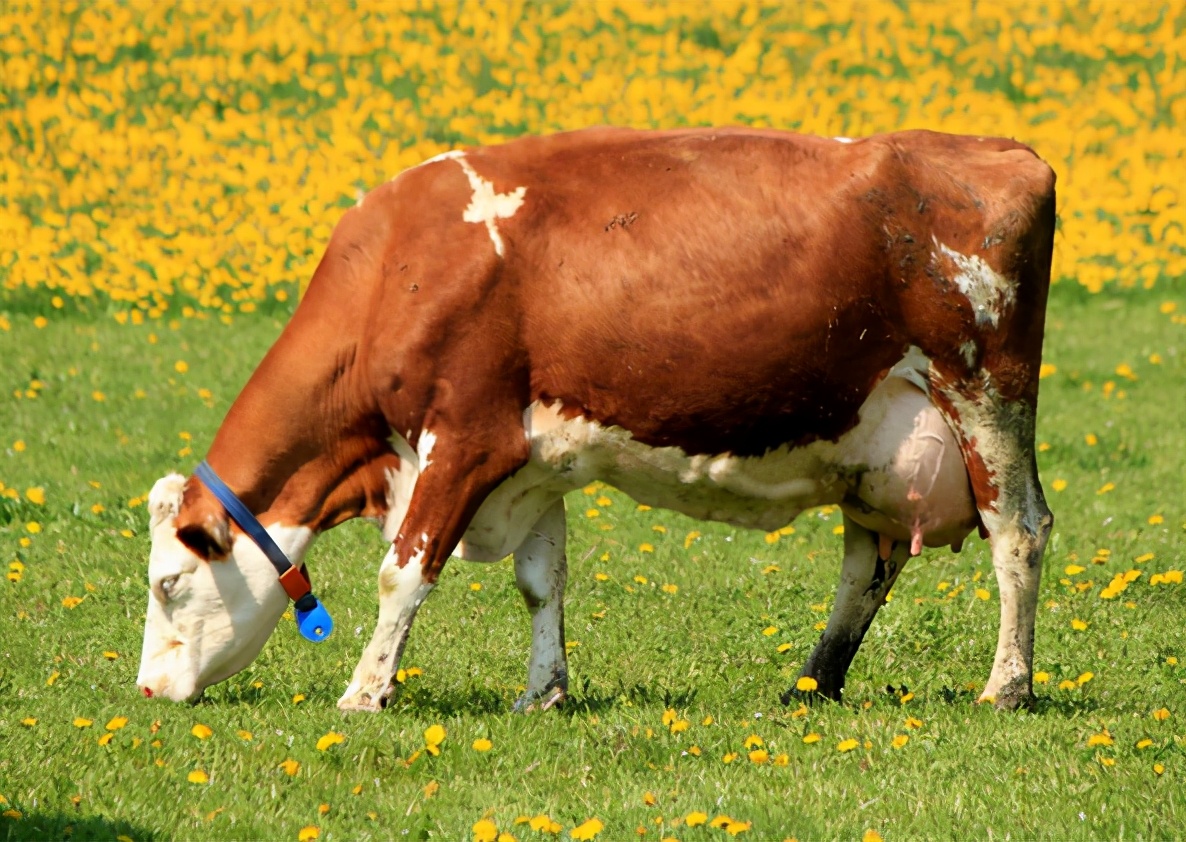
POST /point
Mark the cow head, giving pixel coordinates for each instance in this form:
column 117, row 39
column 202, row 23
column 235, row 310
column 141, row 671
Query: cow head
column 213, row 598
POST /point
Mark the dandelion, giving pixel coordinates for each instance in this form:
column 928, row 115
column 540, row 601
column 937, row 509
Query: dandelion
column 308, row 833
column 333, row 738
column 805, row 683
column 1078, row 625
column 290, row 767
column 847, row 745
column 200, row 731
column 482, row 744
column 1158, row 769
column 544, row 823
column 116, row 723
column 695, row 818
column 433, row 737
column 1161, row 714
column 899, row 740
column 197, row 776
column 586, row 830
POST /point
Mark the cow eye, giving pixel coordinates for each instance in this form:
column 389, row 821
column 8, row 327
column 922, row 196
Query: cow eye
column 166, row 586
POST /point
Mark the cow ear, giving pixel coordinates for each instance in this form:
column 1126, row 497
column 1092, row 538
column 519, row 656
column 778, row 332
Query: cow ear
column 202, row 523
column 164, row 501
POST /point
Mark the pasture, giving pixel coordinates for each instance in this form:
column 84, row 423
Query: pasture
column 171, row 174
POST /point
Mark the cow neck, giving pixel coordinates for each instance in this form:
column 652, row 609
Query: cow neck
column 300, row 445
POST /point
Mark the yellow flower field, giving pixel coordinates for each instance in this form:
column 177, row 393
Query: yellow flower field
column 178, row 157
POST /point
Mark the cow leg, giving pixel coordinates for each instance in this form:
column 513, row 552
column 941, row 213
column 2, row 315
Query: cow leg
column 448, row 492
column 997, row 438
column 865, row 580
column 541, row 570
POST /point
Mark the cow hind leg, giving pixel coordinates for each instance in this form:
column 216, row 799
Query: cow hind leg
column 865, row 580
column 997, row 437
column 541, row 571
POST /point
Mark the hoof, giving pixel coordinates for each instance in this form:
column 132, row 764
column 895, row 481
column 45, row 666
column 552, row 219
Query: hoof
column 1014, row 696
column 355, row 701
column 531, row 702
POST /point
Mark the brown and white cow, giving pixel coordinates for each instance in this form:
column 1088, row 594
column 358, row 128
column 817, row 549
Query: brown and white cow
column 735, row 324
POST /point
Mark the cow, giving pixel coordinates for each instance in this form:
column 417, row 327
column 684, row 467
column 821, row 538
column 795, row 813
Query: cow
column 732, row 323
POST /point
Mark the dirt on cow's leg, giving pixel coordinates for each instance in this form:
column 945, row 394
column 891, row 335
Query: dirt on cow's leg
column 865, row 579
column 998, row 439
column 541, row 570
column 449, row 489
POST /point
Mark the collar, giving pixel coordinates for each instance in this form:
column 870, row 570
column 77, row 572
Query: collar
column 312, row 619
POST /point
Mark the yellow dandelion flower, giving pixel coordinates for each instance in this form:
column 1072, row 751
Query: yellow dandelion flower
column 485, row 830
column 586, row 830
column 201, row 731
column 847, row 745
column 482, row 744
column 197, row 776
column 333, row 738
column 308, row 833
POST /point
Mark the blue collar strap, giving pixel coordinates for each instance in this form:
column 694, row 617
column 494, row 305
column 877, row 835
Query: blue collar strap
column 312, row 619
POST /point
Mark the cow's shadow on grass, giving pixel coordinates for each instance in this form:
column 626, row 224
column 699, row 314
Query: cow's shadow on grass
column 52, row 825
column 1066, row 706
column 448, row 702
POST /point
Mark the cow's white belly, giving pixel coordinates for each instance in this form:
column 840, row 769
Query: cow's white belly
column 897, row 472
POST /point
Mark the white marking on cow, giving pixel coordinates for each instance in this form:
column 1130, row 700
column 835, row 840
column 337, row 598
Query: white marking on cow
column 424, row 449
column 487, row 205
column 970, row 352
column 842, row 139
column 444, row 156
column 989, row 292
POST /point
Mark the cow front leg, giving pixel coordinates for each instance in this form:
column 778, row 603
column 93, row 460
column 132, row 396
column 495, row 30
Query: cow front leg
column 463, row 470
column 997, row 438
column 401, row 592
column 541, row 571
column 865, row 580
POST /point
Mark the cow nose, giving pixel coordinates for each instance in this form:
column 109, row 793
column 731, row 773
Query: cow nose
column 147, row 691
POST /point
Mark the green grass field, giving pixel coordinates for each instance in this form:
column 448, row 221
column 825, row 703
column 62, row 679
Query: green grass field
column 169, row 174
column 103, row 410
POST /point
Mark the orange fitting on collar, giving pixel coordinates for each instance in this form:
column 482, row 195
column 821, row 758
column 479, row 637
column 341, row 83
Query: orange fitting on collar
column 295, row 583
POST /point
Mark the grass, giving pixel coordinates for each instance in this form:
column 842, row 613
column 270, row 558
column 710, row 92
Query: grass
column 637, row 649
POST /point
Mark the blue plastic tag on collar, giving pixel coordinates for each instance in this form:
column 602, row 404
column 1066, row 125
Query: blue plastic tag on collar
column 315, row 625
